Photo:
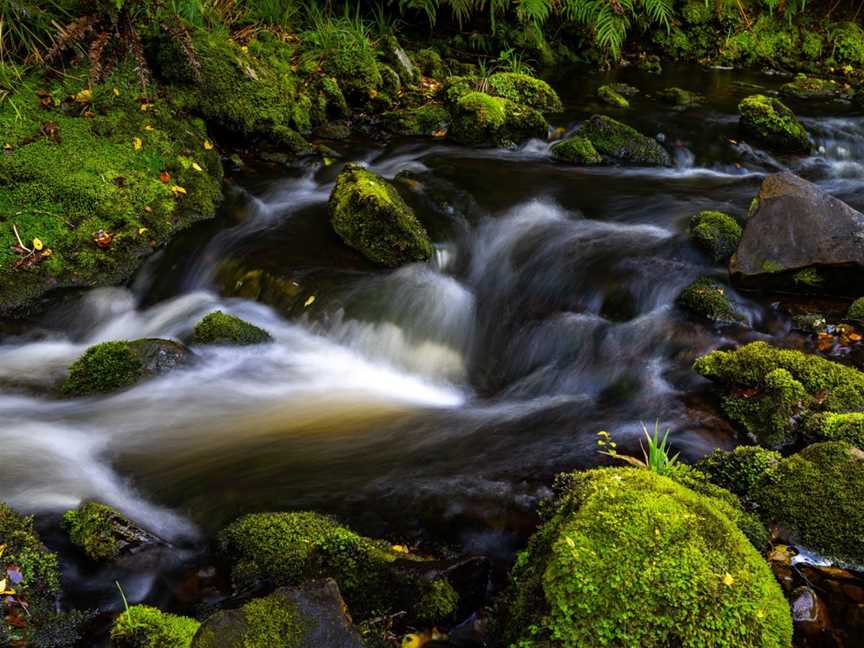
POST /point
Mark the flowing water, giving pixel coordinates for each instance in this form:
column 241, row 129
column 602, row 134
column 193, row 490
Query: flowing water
column 434, row 402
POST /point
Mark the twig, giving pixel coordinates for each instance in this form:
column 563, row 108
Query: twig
column 20, row 242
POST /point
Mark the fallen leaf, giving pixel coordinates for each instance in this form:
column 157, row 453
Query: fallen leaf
column 142, row 231
column 207, row 145
column 197, row 167
column 309, row 301
column 145, row 107
column 137, row 143
column 85, row 96
column 400, row 549
column 178, row 190
column 103, row 239
column 46, row 253
column 165, row 177
column 440, row 133
column 728, row 580
column 149, row 128
column 116, row 92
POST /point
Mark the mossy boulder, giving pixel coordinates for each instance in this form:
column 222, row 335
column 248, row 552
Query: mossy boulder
column 622, row 143
column 707, row 298
column 310, row 616
column 627, row 557
column 142, row 626
column 81, row 172
column 368, row 213
column 102, row 533
column 220, row 328
column 738, row 470
column 815, row 496
column 772, row 123
column 576, row 150
column 525, row 90
column 426, row 120
column 767, row 390
column 112, row 366
column 856, row 310
column 286, row 549
column 715, row 232
column 480, row 119
column 680, row 97
column 608, row 95
column 807, row 87
column 429, row 62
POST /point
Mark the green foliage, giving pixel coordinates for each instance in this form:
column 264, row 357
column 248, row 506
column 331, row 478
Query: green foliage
column 89, row 527
column 739, row 470
column 847, row 40
column 103, row 368
column 26, row 28
column 627, row 557
column 707, row 298
column 141, row 626
column 716, row 232
column 220, row 328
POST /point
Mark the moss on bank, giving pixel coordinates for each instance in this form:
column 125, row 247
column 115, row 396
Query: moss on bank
column 220, row 328
column 142, row 626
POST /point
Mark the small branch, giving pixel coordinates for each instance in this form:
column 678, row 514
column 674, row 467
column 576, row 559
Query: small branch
column 20, row 242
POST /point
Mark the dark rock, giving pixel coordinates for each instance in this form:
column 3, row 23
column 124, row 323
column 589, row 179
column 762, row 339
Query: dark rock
column 622, row 143
column 804, row 87
column 809, row 613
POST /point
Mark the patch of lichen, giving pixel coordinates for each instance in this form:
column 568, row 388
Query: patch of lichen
column 480, row 118
column 89, row 527
column 103, row 368
column 525, row 90
column 771, row 122
column 220, row 328
column 73, row 168
column 830, row 474
column 368, row 213
column 716, row 232
column 768, row 389
column 142, row 626
column 707, row 298
column 856, row 310
column 576, row 150
column 425, row 120
column 622, row 142
column 608, row 95
column 627, row 557
column 738, row 470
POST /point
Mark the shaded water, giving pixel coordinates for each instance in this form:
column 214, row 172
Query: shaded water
column 431, row 402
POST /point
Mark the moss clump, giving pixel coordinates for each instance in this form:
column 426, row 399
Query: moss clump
column 142, row 626
column 848, row 427
column 806, row 87
column 622, row 143
column 104, row 368
column 576, row 150
column 772, row 123
column 369, row 215
column 856, row 310
column 738, row 470
column 707, row 298
column 429, row 62
column 769, row 389
column 525, row 90
column 480, row 118
column 423, row 120
column 716, row 232
column 220, row 328
column 90, row 527
column 809, row 277
column 815, row 497
column 627, row 557
column 438, row 602
column 679, row 97
column 608, row 95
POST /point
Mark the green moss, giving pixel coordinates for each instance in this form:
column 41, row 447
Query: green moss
column 480, row 118
column 707, row 298
column 142, row 626
column 769, row 40
column 856, row 310
column 221, row 328
column 525, row 90
column 89, row 527
column 576, row 150
column 622, row 143
column 608, row 95
column 810, row 277
column 438, row 602
column 103, row 368
column 848, row 427
column 369, row 215
column 769, row 121
column 716, row 232
column 807, row 87
column 772, row 267
column 739, row 470
column 847, row 40
column 768, row 389
column 423, row 120
column 429, row 62
column 679, row 97
column 626, row 557
column 815, row 497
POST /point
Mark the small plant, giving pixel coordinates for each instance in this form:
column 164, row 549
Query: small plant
column 655, row 456
column 483, row 73
column 510, row 60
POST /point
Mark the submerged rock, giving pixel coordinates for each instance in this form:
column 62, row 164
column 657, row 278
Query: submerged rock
column 369, row 215
column 716, row 232
column 312, row 615
column 112, row 366
column 103, row 533
column 793, row 226
column 480, row 118
column 607, row 94
column 806, row 87
column 220, row 328
column 707, row 298
column 629, row 557
column 622, row 143
column 142, row 626
column 769, row 121
column 680, row 97
column 576, row 150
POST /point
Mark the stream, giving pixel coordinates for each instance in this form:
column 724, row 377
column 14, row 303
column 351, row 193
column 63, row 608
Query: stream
column 430, row 404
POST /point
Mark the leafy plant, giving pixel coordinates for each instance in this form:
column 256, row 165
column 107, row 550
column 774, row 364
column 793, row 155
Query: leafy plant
column 656, row 455
column 510, row 60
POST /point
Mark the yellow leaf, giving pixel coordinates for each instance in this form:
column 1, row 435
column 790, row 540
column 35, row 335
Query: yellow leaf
column 727, row 579
column 37, row 244
column 207, row 145
column 85, row 96
column 47, row 252
column 142, row 230
column 196, row 166
column 145, row 107
column 2, row 549
column 149, row 128
column 177, row 190
column 309, row 301
column 7, row 147
column 400, row 548
column 137, row 143
column 116, row 92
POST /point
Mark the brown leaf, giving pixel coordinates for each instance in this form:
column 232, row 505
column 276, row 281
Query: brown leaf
column 165, row 177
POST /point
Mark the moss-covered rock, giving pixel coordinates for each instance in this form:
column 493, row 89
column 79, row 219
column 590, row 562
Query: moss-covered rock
column 680, row 97
column 369, row 215
column 608, row 95
column 142, row 626
column 856, row 310
column 429, row 62
column 815, row 498
column 525, row 90
column 768, row 390
column 430, row 119
column 707, row 298
column 626, row 557
column 480, row 118
column 807, row 87
column 739, row 470
column 829, row 426
column 716, row 232
column 220, row 328
column 290, row 548
column 81, row 172
column 772, row 123
column 576, row 150
column 101, row 532
column 111, row 366
column 622, row 143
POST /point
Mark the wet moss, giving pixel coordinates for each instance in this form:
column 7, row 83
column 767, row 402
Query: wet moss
column 220, row 328
column 626, row 557
column 480, row 118
column 856, row 310
column 423, row 120
column 738, row 470
column 679, row 97
column 608, row 95
column 622, row 143
column 807, row 87
column 438, row 602
column 831, row 475
column 716, row 232
column 104, row 368
column 707, row 298
column 525, row 90
column 142, row 626
column 369, row 215
column 848, row 427
column 429, row 62
column 576, row 150
column 809, row 277
column 772, row 123
column 90, row 528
